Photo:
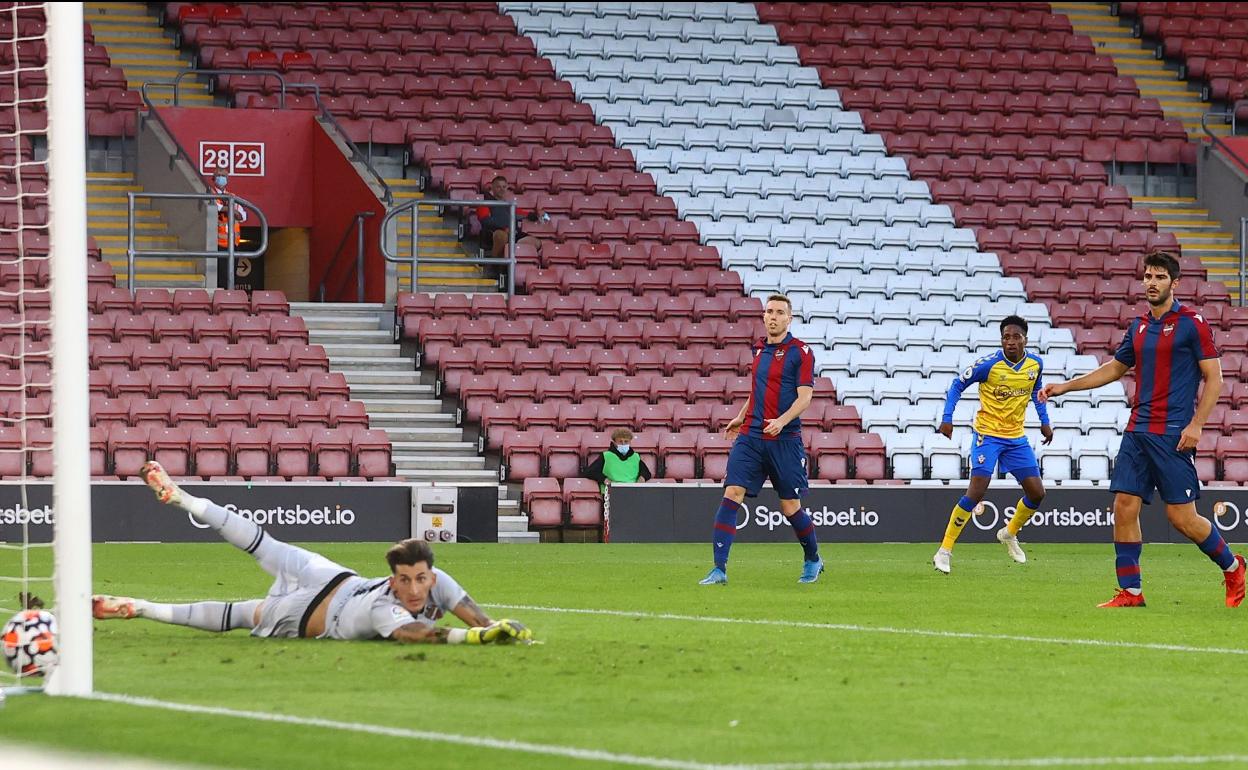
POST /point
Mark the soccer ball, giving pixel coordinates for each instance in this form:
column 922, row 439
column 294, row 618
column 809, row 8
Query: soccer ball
column 28, row 642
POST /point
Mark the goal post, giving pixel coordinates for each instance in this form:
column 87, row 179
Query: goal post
column 67, row 231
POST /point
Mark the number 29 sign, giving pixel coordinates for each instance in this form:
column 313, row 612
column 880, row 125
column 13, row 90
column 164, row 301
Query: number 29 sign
column 231, row 158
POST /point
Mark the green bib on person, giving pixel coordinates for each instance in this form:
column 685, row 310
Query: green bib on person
column 620, row 470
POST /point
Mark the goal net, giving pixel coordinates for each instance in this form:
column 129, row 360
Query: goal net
column 45, row 525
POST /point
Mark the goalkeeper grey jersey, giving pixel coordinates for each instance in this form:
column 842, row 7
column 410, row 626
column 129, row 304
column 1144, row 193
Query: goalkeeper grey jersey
column 365, row 608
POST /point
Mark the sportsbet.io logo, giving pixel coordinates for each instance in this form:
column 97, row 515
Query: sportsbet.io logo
column 764, row 517
column 336, row 516
column 1226, row 515
column 988, row 517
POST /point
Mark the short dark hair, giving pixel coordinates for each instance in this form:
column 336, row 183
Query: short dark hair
column 1165, row 260
column 780, row 298
column 409, row 552
column 499, row 178
column 1014, row 320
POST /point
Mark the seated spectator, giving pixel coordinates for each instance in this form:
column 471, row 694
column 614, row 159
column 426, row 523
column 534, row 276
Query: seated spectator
column 619, row 464
column 495, row 221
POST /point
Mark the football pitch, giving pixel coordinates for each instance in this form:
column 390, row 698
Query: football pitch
column 883, row 663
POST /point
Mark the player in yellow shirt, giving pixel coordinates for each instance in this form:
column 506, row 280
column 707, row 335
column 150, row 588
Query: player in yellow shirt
column 1008, row 380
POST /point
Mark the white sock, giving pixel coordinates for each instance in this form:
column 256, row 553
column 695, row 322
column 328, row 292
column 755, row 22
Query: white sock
column 1135, row 591
column 1234, row 566
column 197, row 506
column 208, row 616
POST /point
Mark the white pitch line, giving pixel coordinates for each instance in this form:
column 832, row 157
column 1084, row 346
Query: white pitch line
column 595, row 755
column 849, row 627
column 567, row 752
column 925, row 764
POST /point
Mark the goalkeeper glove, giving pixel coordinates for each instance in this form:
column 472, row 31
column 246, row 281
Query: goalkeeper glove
column 484, row 634
column 514, row 630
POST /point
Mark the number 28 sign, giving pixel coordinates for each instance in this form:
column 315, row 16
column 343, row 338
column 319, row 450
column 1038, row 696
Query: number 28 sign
column 231, row 158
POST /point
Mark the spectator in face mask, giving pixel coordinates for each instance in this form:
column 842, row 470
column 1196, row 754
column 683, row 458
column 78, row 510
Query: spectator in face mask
column 223, row 215
column 619, row 464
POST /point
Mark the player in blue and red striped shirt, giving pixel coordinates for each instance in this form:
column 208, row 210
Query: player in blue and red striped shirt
column 1171, row 348
column 769, row 440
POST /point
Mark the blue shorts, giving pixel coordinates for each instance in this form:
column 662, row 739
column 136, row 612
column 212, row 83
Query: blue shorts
column 1148, row 461
column 754, row 460
column 1014, row 456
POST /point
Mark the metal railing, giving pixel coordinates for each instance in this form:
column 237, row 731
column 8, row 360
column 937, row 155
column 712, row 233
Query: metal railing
column 284, row 87
column 358, row 224
column 1216, row 141
column 1243, row 260
column 231, row 253
column 413, row 257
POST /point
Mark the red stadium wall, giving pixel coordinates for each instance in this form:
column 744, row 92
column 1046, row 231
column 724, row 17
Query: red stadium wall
column 305, row 182
column 338, row 193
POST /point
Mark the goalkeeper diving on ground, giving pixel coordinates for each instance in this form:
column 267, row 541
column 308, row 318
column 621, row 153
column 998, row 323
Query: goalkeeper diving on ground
column 313, row 597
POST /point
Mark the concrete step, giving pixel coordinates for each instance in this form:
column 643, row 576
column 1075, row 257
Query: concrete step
column 338, row 307
column 1157, row 201
column 408, row 380
column 377, row 367
column 353, row 352
column 428, row 410
column 344, row 323
column 508, row 507
column 448, row 448
column 448, row 475
column 513, row 524
column 520, row 537
column 378, row 337
column 396, row 412
column 418, row 462
column 423, row 434
column 410, row 377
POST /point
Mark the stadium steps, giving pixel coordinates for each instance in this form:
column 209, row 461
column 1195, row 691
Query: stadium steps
column 1199, row 234
column 1156, row 79
column 138, row 45
column 439, row 239
column 106, row 222
column 427, row 444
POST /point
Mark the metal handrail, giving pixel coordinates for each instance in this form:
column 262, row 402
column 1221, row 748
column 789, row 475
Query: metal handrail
column 413, row 257
column 1216, row 140
column 231, row 253
column 1243, row 260
column 358, row 224
column 286, row 86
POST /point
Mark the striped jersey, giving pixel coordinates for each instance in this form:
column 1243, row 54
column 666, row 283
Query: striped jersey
column 779, row 370
column 1166, row 353
column 1005, row 389
column 366, row 608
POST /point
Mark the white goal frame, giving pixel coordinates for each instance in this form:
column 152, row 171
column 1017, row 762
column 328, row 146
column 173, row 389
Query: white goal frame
column 67, row 230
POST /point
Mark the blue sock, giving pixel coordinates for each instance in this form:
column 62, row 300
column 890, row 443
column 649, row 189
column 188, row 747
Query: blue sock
column 1215, row 548
column 725, row 531
column 804, row 528
column 1127, row 564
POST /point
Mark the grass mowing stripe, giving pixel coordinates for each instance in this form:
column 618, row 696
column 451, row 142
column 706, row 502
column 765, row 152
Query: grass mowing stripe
column 591, row 755
column 588, row 755
column 849, row 627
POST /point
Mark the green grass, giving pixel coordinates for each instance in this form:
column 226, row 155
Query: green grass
column 684, row 689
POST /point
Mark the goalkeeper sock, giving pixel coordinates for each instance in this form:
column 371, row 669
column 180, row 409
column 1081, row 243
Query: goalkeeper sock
column 234, row 529
column 1022, row 512
column 725, row 531
column 957, row 520
column 804, row 528
column 1215, row 548
column 1127, row 564
column 208, row 616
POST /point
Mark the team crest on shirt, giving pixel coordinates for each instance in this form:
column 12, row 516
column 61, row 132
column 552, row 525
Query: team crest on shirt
column 1031, row 375
column 780, row 353
column 1168, row 329
column 1143, row 326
